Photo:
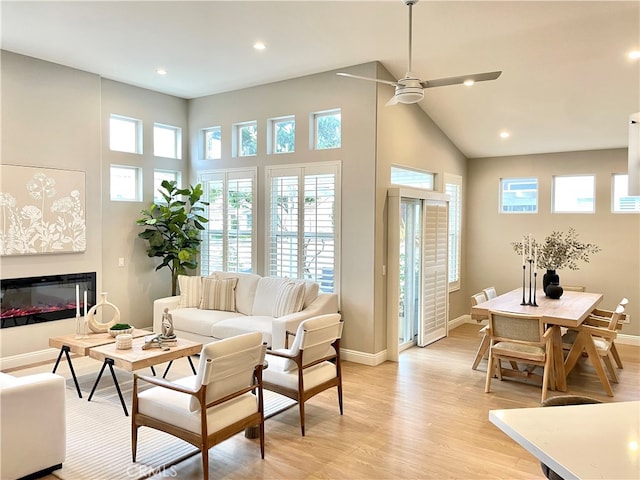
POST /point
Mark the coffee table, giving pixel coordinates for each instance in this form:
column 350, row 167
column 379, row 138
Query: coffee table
column 81, row 346
column 136, row 358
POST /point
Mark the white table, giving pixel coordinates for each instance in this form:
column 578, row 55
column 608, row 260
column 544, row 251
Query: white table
column 578, row 441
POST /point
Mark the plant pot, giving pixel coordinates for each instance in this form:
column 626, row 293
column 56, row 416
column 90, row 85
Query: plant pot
column 549, row 278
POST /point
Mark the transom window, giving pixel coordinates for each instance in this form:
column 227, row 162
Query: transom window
column 282, row 135
column 327, row 129
column 574, row 194
column 167, row 141
column 125, row 134
column 453, row 187
column 245, row 139
column 621, row 201
column 412, row 178
column 519, row 195
column 212, row 143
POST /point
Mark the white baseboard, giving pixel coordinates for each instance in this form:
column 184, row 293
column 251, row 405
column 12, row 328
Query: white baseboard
column 25, row 359
column 371, row 359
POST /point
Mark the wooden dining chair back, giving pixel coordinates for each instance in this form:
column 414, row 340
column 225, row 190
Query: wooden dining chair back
column 311, row 365
column 490, row 292
column 221, row 400
column 522, row 339
column 483, row 348
column 588, row 335
column 478, row 298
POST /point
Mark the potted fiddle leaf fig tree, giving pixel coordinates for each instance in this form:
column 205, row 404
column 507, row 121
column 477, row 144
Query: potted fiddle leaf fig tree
column 172, row 229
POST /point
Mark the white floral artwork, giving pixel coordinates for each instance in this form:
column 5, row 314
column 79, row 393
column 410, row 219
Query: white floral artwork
column 41, row 211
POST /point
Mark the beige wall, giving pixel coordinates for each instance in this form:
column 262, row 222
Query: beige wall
column 615, row 271
column 301, row 97
column 134, row 286
column 51, row 118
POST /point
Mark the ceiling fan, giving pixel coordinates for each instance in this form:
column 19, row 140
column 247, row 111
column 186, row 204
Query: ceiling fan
column 410, row 89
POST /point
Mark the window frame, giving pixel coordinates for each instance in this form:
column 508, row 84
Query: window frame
column 554, row 194
column 303, row 171
column 138, row 136
column 138, row 183
column 272, row 134
column 205, row 150
column 177, row 140
column 514, row 180
column 615, row 199
column 430, row 176
column 313, row 134
column 237, row 138
column 455, row 229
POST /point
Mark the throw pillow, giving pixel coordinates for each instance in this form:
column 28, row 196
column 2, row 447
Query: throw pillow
column 290, row 299
column 189, row 291
column 219, row 294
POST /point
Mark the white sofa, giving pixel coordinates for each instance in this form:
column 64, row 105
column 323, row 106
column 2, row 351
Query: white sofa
column 33, row 424
column 257, row 301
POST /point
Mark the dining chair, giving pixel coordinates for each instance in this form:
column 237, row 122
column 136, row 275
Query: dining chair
column 602, row 340
column 600, row 318
column 519, row 338
column 490, row 292
column 221, row 400
column 311, row 365
column 483, row 348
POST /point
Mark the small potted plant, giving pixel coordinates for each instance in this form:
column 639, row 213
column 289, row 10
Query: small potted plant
column 120, row 328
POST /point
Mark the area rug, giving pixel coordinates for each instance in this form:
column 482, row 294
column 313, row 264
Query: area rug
column 99, row 434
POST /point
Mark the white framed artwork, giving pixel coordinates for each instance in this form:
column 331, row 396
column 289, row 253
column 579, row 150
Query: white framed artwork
column 42, row 210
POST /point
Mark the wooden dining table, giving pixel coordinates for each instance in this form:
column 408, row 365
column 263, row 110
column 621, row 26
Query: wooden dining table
column 570, row 310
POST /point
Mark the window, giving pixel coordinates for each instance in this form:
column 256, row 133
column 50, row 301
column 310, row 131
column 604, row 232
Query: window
column 411, row 178
column 160, row 176
column 212, row 138
column 282, row 135
column 519, row 195
column 303, row 219
column 622, row 202
column 327, row 129
column 125, row 134
column 245, row 139
column 167, row 141
column 228, row 243
column 453, row 187
column 574, row 194
column 126, row 183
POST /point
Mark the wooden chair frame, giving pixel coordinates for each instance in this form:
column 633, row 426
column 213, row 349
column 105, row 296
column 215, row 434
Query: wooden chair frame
column 301, row 395
column 205, row 440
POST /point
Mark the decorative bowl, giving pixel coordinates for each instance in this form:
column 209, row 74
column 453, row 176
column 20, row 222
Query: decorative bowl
column 114, row 332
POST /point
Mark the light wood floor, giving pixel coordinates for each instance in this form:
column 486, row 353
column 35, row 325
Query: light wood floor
column 424, row 417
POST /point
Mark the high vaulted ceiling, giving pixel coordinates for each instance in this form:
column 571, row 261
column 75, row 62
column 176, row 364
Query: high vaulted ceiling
column 567, row 83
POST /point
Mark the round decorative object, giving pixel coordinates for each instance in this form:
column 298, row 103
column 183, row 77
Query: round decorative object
column 548, row 278
column 124, row 341
column 554, row 291
column 102, row 327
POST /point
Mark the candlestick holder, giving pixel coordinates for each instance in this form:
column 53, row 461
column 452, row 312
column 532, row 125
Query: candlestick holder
column 535, row 282
column 530, row 272
column 524, row 268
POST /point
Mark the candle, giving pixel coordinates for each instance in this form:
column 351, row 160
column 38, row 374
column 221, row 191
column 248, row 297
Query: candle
column 77, row 299
column 85, row 303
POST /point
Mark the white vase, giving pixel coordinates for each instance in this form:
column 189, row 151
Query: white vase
column 102, row 327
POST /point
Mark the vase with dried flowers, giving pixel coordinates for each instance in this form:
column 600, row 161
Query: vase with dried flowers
column 559, row 250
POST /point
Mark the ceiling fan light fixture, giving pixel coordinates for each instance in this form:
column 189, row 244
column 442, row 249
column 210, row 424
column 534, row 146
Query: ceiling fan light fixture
column 409, row 95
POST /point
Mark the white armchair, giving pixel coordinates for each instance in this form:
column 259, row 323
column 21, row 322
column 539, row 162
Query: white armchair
column 33, row 425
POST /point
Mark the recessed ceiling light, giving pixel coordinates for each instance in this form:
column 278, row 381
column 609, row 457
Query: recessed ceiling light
column 161, row 71
column 259, row 46
column 634, row 54
column 469, row 82
column 504, row 134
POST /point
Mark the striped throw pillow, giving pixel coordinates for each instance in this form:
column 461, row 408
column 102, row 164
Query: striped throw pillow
column 290, row 299
column 190, row 287
column 219, row 294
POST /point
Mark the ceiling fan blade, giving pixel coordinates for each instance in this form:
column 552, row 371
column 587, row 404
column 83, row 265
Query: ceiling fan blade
column 342, row 74
column 392, row 101
column 475, row 77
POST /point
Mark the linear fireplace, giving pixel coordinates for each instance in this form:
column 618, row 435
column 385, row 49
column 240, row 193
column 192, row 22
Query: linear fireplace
column 31, row 300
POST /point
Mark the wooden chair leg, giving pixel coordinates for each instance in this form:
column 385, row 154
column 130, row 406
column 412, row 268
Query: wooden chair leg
column 597, row 364
column 616, row 356
column 490, row 367
column 482, row 350
column 134, row 441
column 205, row 461
column 301, row 404
column 608, row 361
